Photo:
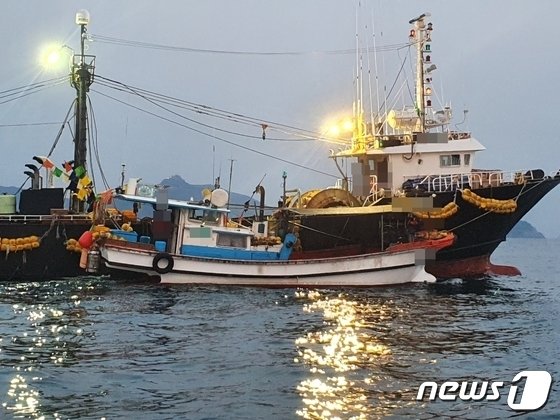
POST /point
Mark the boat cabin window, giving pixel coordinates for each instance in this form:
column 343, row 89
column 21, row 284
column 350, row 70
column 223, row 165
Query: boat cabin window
column 450, row 160
column 231, row 240
column 209, row 216
column 467, row 159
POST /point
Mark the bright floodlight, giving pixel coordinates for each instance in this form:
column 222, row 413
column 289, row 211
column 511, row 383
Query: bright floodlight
column 82, row 17
column 53, row 57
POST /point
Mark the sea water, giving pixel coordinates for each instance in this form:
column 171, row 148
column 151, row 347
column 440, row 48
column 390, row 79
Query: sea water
column 95, row 348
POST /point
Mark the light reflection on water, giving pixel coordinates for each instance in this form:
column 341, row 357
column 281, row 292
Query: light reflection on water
column 93, row 348
column 374, row 348
column 336, row 356
column 50, row 332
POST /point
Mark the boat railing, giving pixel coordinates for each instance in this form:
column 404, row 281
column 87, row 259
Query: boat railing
column 375, row 193
column 43, row 218
column 474, row 180
column 292, row 198
column 458, row 135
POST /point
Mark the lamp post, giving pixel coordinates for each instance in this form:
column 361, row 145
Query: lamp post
column 83, row 67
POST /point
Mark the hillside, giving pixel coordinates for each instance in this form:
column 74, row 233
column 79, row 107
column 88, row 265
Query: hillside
column 8, row 190
column 181, row 190
column 525, row 229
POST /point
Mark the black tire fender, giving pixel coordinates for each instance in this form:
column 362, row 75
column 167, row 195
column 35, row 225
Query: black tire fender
column 166, row 261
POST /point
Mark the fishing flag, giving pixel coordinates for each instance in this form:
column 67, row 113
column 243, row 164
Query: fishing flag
column 80, row 171
column 84, row 182
column 45, row 161
column 106, row 197
column 82, row 194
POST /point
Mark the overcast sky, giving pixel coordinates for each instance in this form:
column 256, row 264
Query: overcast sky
column 498, row 59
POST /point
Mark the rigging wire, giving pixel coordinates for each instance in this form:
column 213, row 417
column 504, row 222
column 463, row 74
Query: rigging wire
column 149, row 45
column 94, row 145
column 30, row 124
column 395, row 82
column 15, row 90
column 23, row 93
column 222, row 114
column 57, row 138
column 66, row 119
column 215, row 137
column 259, row 137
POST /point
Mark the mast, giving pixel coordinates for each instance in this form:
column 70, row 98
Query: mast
column 81, row 79
column 358, row 129
column 420, row 35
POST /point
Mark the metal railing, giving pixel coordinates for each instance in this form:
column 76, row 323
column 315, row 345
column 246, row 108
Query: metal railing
column 475, row 179
column 43, row 218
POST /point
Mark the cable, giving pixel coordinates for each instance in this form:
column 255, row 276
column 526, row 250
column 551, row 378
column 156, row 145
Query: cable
column 95, row 145
column 219, row 113
column 149, row 45
column 216, row 137
column 12, row 91
column 29, row 124
column 30, row 91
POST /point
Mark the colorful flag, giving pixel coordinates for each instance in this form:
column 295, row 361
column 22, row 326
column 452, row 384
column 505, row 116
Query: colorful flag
column 48, row 164
column 82, row 194
column 106, row 197
column 45, row 161
column 57, row 172
column 67, row 167
column 84, row 182
column 80, row 171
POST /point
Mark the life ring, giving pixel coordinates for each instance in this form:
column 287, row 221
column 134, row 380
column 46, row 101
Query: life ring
column 167, row 261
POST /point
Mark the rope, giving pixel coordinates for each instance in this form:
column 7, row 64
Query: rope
column 319, row 231
column 521, row 192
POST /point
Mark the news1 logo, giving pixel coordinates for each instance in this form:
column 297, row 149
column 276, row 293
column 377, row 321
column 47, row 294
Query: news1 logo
column 533, row 396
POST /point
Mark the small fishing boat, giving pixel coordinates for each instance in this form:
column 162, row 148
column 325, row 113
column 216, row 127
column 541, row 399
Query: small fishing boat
column 193, row 243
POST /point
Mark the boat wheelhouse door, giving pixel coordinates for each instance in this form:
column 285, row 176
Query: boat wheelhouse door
column 370, row 173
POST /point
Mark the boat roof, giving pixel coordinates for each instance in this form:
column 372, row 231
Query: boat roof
column 452, row 146
column 341, row 211
column 180, row 204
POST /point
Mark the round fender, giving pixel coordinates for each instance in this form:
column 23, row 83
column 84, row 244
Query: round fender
column 163, row 263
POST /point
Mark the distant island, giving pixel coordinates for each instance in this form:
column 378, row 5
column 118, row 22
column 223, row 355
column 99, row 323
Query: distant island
column 179, row 189
column 525, row 229
column 8, row 190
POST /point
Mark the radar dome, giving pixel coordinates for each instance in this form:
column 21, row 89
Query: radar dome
column 219, row 197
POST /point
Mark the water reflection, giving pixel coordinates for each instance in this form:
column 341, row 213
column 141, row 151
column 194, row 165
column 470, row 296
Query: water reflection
column 374, row 348
column 23, row 399
column 338, row 357
column 52, row 327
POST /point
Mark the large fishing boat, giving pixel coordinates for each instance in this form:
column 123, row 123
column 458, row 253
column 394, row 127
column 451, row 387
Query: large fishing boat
column 413, row 152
